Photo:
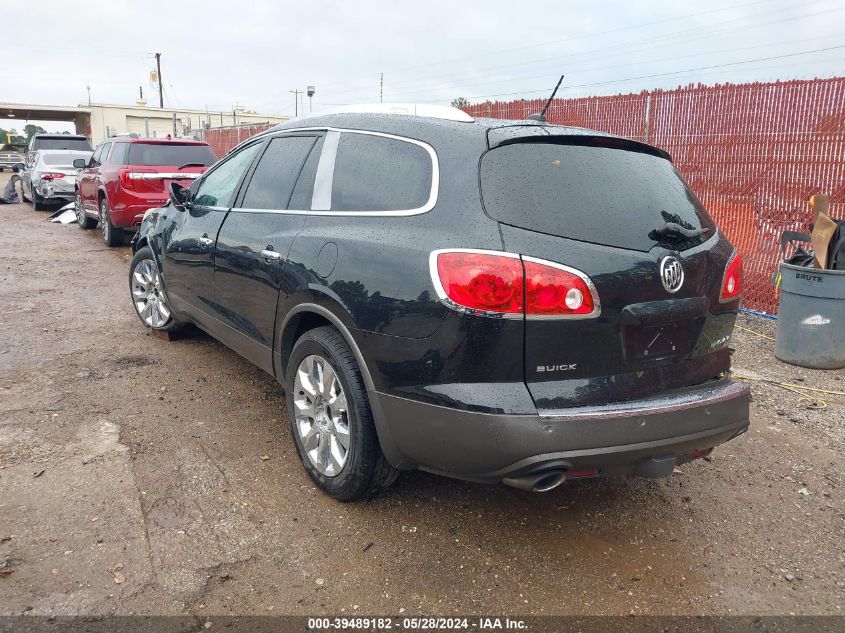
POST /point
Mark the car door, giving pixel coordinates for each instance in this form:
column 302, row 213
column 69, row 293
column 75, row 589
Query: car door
column 86, row 184
column 188, row 249
column 255, row 239
column 26, row 174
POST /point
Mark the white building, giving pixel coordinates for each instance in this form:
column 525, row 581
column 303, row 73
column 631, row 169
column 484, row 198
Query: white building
column 107, row 120
column 99, row 121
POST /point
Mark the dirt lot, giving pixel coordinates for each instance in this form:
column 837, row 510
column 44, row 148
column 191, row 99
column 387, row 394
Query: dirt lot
column 153, row 496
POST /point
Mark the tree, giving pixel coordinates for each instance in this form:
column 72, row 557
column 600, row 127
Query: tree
column 31, row 130
column 460, row 102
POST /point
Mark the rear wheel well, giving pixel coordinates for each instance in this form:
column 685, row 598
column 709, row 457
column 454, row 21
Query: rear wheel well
column 298, row 325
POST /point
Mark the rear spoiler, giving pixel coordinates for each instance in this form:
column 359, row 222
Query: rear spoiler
column 560, row 135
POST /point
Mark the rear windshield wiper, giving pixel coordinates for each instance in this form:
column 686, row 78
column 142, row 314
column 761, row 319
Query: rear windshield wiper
column 673, row 229
column 191, row 165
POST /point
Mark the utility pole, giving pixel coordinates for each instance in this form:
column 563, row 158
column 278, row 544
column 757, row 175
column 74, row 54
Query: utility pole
column 381, row 89
column 295, row 94
column 160, row 85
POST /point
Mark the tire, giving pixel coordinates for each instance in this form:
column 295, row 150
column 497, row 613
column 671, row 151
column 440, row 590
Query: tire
column 37, row 201
column 111, row 235
column 146, row 291
column 82, row 219
column 362, row 470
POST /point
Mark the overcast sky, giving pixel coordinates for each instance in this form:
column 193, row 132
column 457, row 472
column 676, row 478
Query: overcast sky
column 216, row 54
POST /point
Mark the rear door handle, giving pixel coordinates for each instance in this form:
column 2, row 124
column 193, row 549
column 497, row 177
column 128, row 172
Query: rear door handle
column 271, row 256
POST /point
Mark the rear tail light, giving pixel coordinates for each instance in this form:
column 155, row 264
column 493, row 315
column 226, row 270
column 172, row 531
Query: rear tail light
column 732, row 282
column 506, row 285
column 52, row 175
column 126, row 181
column 556, row 290
column 483, row 282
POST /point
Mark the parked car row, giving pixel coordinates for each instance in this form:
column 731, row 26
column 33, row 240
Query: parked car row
column 113, row 184
column 498, row 301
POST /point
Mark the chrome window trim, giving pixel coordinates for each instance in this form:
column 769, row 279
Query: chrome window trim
column 325, row 178
column 321, row 197
column 574, row 271
column 444, row 298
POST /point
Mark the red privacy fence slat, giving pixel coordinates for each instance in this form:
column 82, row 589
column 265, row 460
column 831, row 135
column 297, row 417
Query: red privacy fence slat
column 223, row 139
column 754, row 154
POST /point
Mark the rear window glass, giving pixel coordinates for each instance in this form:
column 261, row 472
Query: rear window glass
column 602, row 195
column 374, row 173
column 61, row 159
column 169, row 155
column 60, row 142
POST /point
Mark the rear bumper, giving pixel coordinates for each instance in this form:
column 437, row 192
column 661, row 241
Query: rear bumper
column 56, row 191
column 618, row 438
column 129, row 214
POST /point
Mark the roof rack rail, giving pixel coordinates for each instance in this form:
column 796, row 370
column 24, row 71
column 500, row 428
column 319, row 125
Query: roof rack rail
column 408, row 109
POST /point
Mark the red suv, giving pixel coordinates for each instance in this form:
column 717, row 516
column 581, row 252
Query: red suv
column 126, row 176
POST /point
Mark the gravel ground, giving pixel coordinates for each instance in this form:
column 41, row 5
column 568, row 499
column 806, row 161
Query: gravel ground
column 133, row 480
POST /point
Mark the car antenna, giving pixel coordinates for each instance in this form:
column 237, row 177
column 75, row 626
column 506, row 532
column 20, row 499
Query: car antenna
column 541, row 115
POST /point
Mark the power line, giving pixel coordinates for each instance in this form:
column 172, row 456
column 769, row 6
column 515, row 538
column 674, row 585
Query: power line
column 645, row 44
column 613, row 66
column 580, row 37
column 655, row 75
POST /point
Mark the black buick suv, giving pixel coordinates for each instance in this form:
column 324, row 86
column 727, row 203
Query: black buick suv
column 498, row 301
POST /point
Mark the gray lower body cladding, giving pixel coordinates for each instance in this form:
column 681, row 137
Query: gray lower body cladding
column 614, row 438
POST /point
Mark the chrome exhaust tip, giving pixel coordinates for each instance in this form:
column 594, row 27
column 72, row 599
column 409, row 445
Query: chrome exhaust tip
column 543, row 481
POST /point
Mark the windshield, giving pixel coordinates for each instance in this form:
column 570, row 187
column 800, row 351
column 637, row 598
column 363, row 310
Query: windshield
column 593, row 194
column 9, row 148
column 59, row 142
column 164, row 154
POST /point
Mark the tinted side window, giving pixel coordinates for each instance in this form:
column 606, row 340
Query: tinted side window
column 374, row 173
column 104, row 155
column 95, row 157
column 273, row 179
column 118, row 155
column 300, row 200
column 217, row 188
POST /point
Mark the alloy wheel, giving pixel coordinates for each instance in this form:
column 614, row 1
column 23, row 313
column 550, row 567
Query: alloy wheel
column 322, row 419
column 80, row 214
column 148, row 295
column 105, row 227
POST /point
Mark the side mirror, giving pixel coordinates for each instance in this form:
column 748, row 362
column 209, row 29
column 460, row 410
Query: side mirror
column 17, row 167
column 180, row 196
column 80, row 163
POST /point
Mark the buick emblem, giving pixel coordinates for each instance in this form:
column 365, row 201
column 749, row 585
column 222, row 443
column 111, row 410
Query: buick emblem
column 671, row 273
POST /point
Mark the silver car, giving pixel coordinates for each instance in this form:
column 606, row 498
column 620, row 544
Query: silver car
column 51, row 177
